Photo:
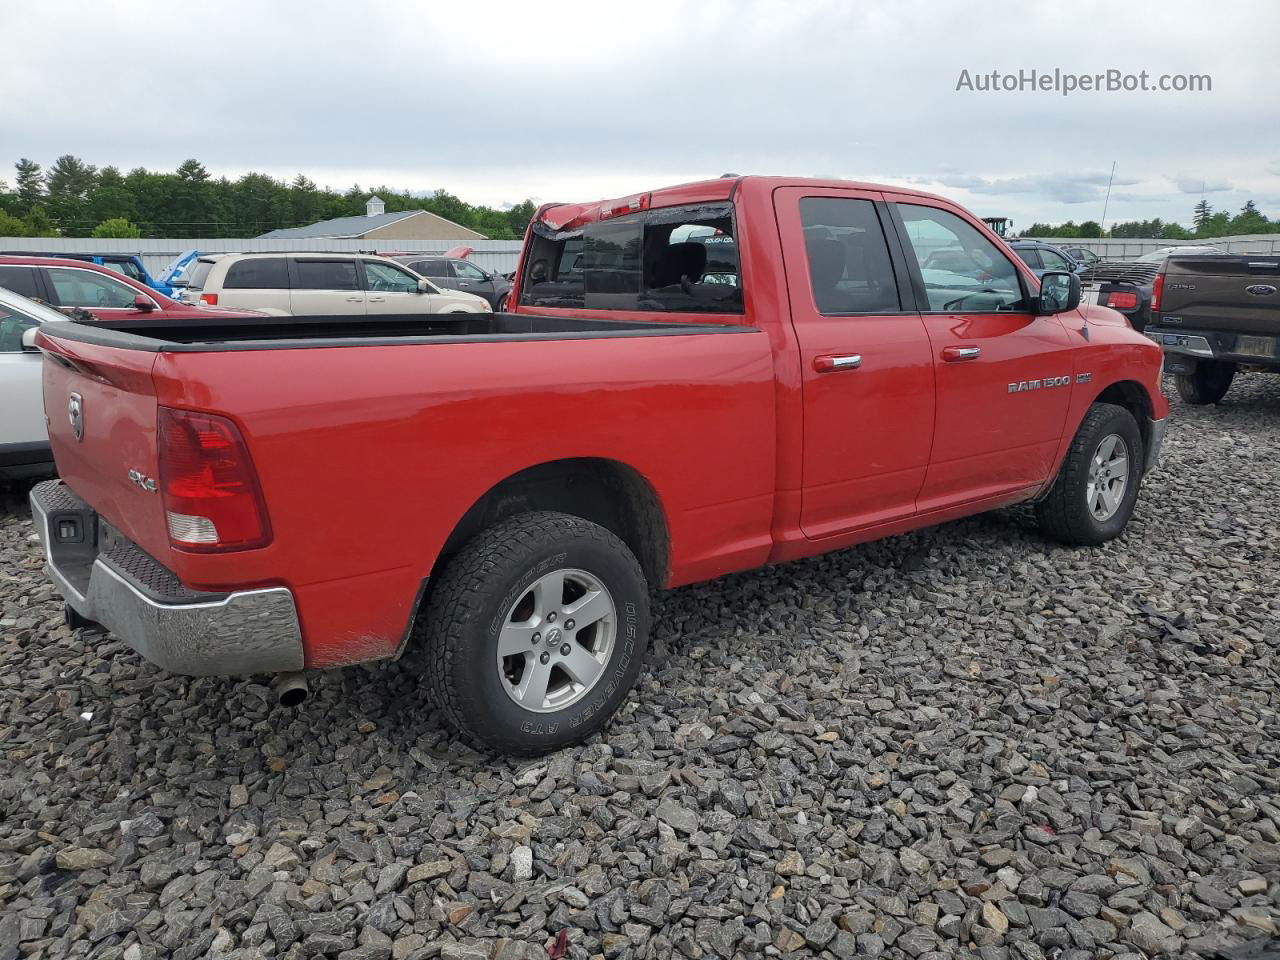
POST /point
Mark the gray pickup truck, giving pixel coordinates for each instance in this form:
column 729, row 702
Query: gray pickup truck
column 1215, row 316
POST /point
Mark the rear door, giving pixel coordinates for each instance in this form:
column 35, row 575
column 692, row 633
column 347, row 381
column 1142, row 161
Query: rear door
column 1004, row 375
column 390, row 289
column 471, row 279
column 325, row 287
column 865, row 359
column 21, row 408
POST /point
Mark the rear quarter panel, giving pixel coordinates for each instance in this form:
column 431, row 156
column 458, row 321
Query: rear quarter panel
column 368, row 456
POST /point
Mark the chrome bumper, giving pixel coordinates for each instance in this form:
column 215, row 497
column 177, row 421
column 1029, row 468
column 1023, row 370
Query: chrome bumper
column 142, row 603
column 1156, row 441
column 1188, row 344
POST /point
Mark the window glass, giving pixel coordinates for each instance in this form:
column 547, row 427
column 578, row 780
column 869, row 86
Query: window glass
column 1029, row 255
column 254, row 273
column 611, row 264
column 974, row 277
column 432, row 268
column 13, row 324
column 84, row 288
column 197, row 273
column 1052, row 261
column 326, row 275
column 20, row 280
column 388, row 279
column 849, row 265
column 691, row 261
column 467, row 271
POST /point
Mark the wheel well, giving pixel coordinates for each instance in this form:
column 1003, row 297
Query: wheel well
column 1133, row 397
column 603, row 491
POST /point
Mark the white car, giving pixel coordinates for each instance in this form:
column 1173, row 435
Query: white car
column 321, row 284
column 24, row 438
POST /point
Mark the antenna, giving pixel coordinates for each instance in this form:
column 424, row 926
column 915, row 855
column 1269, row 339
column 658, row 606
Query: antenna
column 1107, row 202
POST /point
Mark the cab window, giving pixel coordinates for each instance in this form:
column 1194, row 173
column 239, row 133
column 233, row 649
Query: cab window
column 961, row 270
column 1052, row 261
column 467, row 271
column 849, row 266
column 13, row 324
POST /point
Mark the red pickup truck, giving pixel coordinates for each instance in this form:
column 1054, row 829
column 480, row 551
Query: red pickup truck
column 692, row 381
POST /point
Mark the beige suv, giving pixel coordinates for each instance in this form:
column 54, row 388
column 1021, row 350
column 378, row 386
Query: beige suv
column 320, row 284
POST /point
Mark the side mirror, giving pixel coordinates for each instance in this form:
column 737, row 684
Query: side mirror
column 29, row 340
column 143, row 303
column 1059, row 292
column 424, row 286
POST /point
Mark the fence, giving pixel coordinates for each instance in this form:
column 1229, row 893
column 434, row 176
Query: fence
column 1267, row 244
column 496, row 255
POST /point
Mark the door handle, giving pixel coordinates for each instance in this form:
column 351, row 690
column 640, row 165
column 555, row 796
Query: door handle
column 355, row 299
column 376, row 300
column 830, row 364
column 958, row 354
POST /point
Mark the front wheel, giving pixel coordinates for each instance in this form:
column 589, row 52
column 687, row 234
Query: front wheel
column 1097, row 487
column 1209, row 384
column 535, row 633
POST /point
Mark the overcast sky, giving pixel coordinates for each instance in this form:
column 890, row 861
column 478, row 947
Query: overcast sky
column 497, row 102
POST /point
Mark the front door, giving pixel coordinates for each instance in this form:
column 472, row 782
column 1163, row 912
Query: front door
column 1004, row 377
column 865, row 361
column 391, row 289
column 471, row 279
column 323, row 288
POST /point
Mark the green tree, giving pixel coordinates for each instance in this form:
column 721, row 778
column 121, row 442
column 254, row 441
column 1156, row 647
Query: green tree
column 1203, row 211
column 1249, row 219
column 30, row 181
column 37, row 222
column 12, row 226
column 70, row 177
column 117, row 227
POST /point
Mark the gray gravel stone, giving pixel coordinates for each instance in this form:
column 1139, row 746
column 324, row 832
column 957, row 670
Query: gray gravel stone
column 963, row 741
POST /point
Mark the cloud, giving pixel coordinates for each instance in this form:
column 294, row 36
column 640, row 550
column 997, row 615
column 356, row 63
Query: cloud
column 1059, row 187
column 1199, row 185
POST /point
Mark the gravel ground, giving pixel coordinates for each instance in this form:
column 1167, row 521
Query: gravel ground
column 960, row 740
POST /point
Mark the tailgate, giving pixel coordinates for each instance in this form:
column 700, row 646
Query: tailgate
column 101, row 406
column 1235, row 294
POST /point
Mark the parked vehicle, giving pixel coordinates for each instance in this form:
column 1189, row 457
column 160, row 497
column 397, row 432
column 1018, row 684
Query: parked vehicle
column 335, row 284
column 454, row 273
column 498, row 494
column 1215, row 315
column 1126, row 285
column 79, row 285
column 1041, row 256
column 128, row 265
column 24, row 442
column 1082, row 255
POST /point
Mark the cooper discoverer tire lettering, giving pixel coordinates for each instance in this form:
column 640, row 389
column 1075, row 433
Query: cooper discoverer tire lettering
column 535, row 633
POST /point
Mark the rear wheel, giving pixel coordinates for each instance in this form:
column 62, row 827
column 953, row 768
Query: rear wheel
column 535, row 633
column 1097, row 488
column 1209, row 384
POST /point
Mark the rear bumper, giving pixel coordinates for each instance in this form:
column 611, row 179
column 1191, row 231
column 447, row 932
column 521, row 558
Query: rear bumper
column 1216, row 345
column 109, row 580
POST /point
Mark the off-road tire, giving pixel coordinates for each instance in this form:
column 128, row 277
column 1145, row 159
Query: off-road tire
column 1064, row 514
column 1208, row 384
column 468, row 606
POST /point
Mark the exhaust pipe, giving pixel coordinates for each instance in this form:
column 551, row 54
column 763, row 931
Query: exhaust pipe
column 291, row 689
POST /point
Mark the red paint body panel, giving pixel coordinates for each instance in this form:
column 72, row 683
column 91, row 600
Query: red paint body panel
column 368, row 456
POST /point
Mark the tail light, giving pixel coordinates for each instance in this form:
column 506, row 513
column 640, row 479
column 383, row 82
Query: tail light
column 212, row 501
column 1122, row 301
column 628, row 205
column 1157, row 291
column 209, row 298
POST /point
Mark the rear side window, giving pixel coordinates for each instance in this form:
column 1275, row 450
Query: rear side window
column 1030, row 256
column 678, row 260
column 431, row 268
column 21, row 280
column 849, row 266
column 270, row 273
column 325, row 275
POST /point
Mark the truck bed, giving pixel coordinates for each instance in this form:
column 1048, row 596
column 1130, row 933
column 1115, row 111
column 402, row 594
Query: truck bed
column 247, row 333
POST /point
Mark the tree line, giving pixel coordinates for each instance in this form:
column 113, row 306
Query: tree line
column 76, row 199
column 1206, row 222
